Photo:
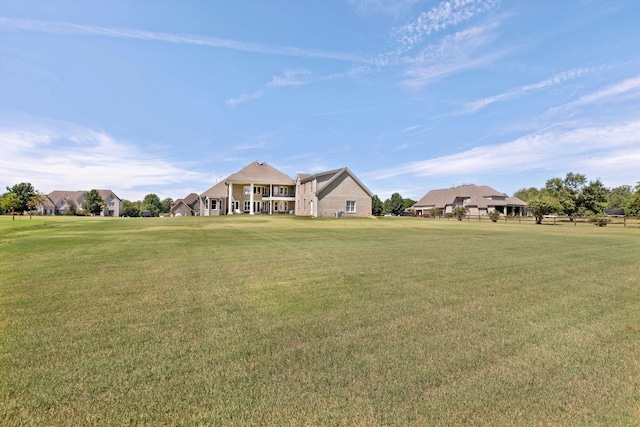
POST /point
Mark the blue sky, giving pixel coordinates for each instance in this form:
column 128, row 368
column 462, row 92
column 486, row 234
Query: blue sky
column 168, row 97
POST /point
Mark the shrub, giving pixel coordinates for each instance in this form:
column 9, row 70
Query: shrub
column 494, row 216
column 600, row 220
column 460, row 212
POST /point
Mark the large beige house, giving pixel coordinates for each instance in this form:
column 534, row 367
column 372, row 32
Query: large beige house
column 256, row 188
column 333, row 193
column 259, row 188
column 479, row 200
column 58, row 202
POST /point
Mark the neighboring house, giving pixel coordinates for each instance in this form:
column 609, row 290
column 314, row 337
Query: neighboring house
column 479, row 200
column 257, row 188
column 189, row 206
column 332, row 193
column 60, row 201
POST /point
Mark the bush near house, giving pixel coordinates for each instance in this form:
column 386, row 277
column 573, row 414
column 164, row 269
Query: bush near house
column 494, row 216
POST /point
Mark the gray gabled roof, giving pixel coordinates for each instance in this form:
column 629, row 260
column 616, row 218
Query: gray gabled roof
column 187, row 201
column 104, row 194
column 260, row 173
column 59, row 195
column 335, row 174
column 477, row 197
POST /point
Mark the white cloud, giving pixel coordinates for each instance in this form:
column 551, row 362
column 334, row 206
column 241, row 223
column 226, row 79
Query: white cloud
column 64, row 156
column 9, row 24
column 457, row 52
column 629, row 87
column 290, row 78
column 557, row 79
column 560, row 148
column 445, row 14
column 391, row 7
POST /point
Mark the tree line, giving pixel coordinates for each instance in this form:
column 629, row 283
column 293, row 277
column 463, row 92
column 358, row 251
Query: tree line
column 574, row 196
column 394, row 205
column 151, row 205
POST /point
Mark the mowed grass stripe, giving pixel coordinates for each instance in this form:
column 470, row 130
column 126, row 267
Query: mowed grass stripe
column 284, row 320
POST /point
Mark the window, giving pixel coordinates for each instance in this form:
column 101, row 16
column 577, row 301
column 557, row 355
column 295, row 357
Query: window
column 256, row 190
column 236, row 205
column 112, row 204
column 351, row 206
column 214, row 205
column 206, row 203
column 247, row 205
column 246, row 190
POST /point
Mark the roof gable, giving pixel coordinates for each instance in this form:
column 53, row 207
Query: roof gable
column 333, row 176
column 260, row 173
column 58, row 196
column 190, row 199
column 218, row 191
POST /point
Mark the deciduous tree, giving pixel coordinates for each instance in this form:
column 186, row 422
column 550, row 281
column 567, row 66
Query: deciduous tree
column 24, row 192
column 376, row 205
column 131, row 209
column 8, row 203
column 543, row 204
column 620, row 196
column 593, row 197
column 166, row 205
column 633, row 205
column 93, row 203
column 152, row 203
column 394, row 205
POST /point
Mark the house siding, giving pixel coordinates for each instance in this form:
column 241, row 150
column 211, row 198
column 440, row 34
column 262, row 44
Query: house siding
column 334, row 198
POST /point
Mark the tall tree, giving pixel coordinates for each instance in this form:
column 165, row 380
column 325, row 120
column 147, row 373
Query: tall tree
column 37, row 200
column 543, row 204
column 131, row 209
column 593, row 197
column 93, row 203
column 620, row 196
column 8, row 203
column 376, row 205
column 394, row 205
column 526, row 194
column 568, row 192
column 166, row 205
column 152, row 203
column 407, row 203
column 633, row 205
column 24, row 192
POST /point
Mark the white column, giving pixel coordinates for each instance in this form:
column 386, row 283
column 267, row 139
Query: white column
column 251, row 199
column 230, row 207
column 271, row 201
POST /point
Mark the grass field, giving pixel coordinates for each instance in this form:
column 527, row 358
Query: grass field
column 298, row 321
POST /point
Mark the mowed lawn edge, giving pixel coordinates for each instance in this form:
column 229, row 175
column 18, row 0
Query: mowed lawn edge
column 285, row 320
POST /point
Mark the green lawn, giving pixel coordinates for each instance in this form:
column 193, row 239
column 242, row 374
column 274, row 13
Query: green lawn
column 298, row 321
